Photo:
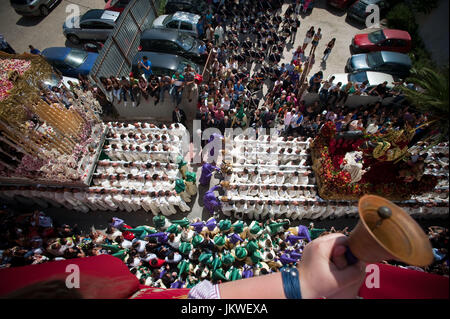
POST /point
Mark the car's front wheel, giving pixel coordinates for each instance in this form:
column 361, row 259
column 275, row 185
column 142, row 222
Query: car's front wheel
column 74, row 39
column 44, row 11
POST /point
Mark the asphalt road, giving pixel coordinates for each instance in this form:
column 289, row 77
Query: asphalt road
column 41, row 32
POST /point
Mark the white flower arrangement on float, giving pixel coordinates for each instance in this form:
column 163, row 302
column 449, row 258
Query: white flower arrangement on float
column 353, row 163
column 61, row 168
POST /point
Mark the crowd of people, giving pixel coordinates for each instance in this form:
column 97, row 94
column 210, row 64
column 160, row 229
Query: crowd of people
column 178, row 253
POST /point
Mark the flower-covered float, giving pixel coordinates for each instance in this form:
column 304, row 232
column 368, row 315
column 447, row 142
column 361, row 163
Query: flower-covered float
column 349, row 165
column 42, row 142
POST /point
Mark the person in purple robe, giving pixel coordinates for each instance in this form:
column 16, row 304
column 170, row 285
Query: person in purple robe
column 286, row 259
column 303, row 232
column 207, row 171
column 117, row 222
column 198, row 226
column 177, row 284
column 161, row 237
column 212, row 203
column 235, row 238
column 211, row 224
column 248, row 271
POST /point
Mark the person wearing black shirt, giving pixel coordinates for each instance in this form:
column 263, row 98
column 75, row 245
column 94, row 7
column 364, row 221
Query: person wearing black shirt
column 178, row 116
column 380, row 90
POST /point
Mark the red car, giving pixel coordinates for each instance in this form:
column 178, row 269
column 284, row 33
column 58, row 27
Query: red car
column 382, row 40
column 340, row 4
column 116, row 5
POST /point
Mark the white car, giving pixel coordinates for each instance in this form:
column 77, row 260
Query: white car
column 374, row 78
column 182, row 21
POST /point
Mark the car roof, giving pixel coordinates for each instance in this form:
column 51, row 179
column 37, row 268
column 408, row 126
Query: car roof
column 56, row 53
column 160, row 60
column 370, row 1
column 395, row 57
column 99, row 14
column 179, row 1
column 158, row 34
column 396, row 34
column 186, row 16
column 376, row 78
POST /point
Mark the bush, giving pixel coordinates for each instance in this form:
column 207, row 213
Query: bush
column 424, row 6
column 402, row 17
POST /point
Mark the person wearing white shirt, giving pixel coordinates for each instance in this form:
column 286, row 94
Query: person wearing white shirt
column 145, row 201
column 117, row 198
column 78, row 205
column 254, row 191
column 174, row 241
column 164, row 205
column 265, row 192
column 284, row 207
column 274, row 192
column 126, row 201
column 108, row 199
column 135, row 200
column 243, row 191
column 228, row 206
column 251, row 209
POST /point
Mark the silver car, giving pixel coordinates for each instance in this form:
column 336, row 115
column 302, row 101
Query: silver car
column 33, row 7
column 93, row 25
column 182, row 21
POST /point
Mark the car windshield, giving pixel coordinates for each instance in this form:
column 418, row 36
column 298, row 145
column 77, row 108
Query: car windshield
column 374, row 59
column 183, row 65
column 376, row 36
column 167, row 19
column 186, row 42
column 358, row 77
column 75, row 58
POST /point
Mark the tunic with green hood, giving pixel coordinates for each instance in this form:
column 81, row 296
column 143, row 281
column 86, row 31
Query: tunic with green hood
column 182, row 165
column 190, row 181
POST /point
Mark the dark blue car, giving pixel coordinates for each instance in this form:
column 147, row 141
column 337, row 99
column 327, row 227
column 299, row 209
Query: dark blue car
column 70, row 62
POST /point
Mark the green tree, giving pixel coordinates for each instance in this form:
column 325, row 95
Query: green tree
column 431, row 97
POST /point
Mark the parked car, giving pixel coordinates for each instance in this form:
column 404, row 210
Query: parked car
column 394, row 63
column 57, row 80
column 116, row 5
column 33, row 7
column 70, row 62
column 184, row 22
column 95, row 24
column 163, row 63
column 173, row 42
column 358, row 10
column 192, row 6
column 340, row 4
column 374, row 78
column 382, row 40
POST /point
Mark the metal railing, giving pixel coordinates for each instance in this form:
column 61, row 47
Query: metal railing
column 116, row 57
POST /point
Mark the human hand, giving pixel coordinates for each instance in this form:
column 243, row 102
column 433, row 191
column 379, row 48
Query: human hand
column 324, row 271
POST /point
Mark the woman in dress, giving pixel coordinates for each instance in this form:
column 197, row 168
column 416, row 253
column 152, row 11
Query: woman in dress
column 308, row 38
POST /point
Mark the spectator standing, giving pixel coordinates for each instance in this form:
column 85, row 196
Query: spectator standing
column 33, row 50
column 178, row 116
column 328, row 49
column 177, row 88
column 189, row 81
column 308, row 38
column 147, row 66
column 315, row 41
